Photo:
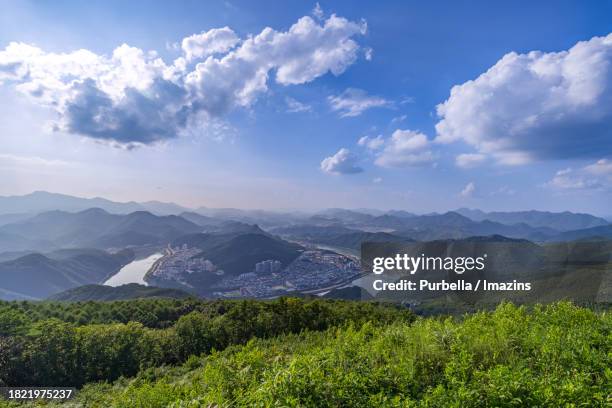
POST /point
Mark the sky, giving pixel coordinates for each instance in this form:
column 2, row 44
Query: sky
column 422, row 106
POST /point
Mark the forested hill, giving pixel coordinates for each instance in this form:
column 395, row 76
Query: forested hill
column 123, row 292
column 311, row 354
column 73, row 343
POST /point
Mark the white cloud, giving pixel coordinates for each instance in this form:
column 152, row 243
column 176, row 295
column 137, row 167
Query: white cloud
column 602, row 167
column 467, row 160
column 10, row 160
column 343, row 162
column 372, row 143
column 368, row 53
column 295, row 106
column 353, row 102
column 405, row 148
column 469, row 190
column 317, row 11
column 133, row 97
column 215, row 41
column 536, row 106
column 596, row 176
column 377, row 180
column 399, row 119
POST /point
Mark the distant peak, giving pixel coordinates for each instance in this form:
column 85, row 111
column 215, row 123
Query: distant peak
column 94, row 211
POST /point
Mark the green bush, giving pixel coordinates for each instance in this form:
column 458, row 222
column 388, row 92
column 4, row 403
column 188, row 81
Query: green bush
column 553, row 356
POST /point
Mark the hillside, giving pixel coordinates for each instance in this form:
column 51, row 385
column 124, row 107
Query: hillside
column 42, row 201
column 511, row 357
column 39, row 276
column 110, row 293
column 97, row 228
column 563, row 221
column 354, row 240
column 237, row 253
column 240, row 253
column 601, row 232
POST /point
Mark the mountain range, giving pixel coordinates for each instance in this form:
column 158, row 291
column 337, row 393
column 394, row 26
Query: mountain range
column 18, row 208
column 36, row 276
column 563, row 221
column 92, row 228
column 41, row 201
column 43, row 236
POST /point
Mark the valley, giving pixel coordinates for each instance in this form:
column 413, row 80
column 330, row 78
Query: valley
column 229, row 253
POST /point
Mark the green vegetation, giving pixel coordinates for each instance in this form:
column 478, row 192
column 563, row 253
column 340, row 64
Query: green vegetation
column 371, row 356
column 55, row 344
column 123, row 292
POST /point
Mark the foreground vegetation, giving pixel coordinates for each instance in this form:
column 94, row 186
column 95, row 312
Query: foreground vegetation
column 546, row 356
column 71, row 344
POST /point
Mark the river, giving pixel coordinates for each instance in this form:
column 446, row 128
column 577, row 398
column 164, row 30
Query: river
column 133, row 272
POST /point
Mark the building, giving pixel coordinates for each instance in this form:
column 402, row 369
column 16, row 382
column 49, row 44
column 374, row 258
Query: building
column 268, row 266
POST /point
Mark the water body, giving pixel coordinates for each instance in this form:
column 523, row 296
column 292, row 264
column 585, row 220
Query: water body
column 133, row 272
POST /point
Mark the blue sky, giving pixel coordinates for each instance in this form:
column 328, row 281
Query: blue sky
column 347, row 111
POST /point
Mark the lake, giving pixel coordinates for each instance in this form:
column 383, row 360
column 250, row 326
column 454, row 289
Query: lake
column 133, row 272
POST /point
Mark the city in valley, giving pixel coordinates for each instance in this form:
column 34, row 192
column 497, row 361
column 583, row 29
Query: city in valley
column 314, row 271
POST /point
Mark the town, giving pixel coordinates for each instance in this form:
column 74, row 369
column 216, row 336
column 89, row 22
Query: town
column 315, row 270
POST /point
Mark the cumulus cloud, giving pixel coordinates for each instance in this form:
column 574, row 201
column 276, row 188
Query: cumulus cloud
column 343, row 162
column 536, row 106
column 217, row 40
column 133, row 97
column 372, row 143
column 569, row 179
column 353, row 102
column 469, row 190
column 405, row 148
column 596, row 176
column 295, row 106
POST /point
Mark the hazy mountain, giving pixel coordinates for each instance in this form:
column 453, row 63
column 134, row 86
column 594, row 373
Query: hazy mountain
column 38, row 276
column 312, row 232
column 353, row 240
column 262, row 217
column 11, row 242
column 604, row 231
column 110, row 293
column 160, row 208
column 401, row 214
column 99, row 229
column 346, row 216
column 10, row 218
column 42, row 201
column 210, row 224
column 199, row 219
column 452, row 225
column 563, row 221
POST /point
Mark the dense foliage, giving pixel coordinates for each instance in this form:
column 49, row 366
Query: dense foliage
column 70, row 344
column 546, row 356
